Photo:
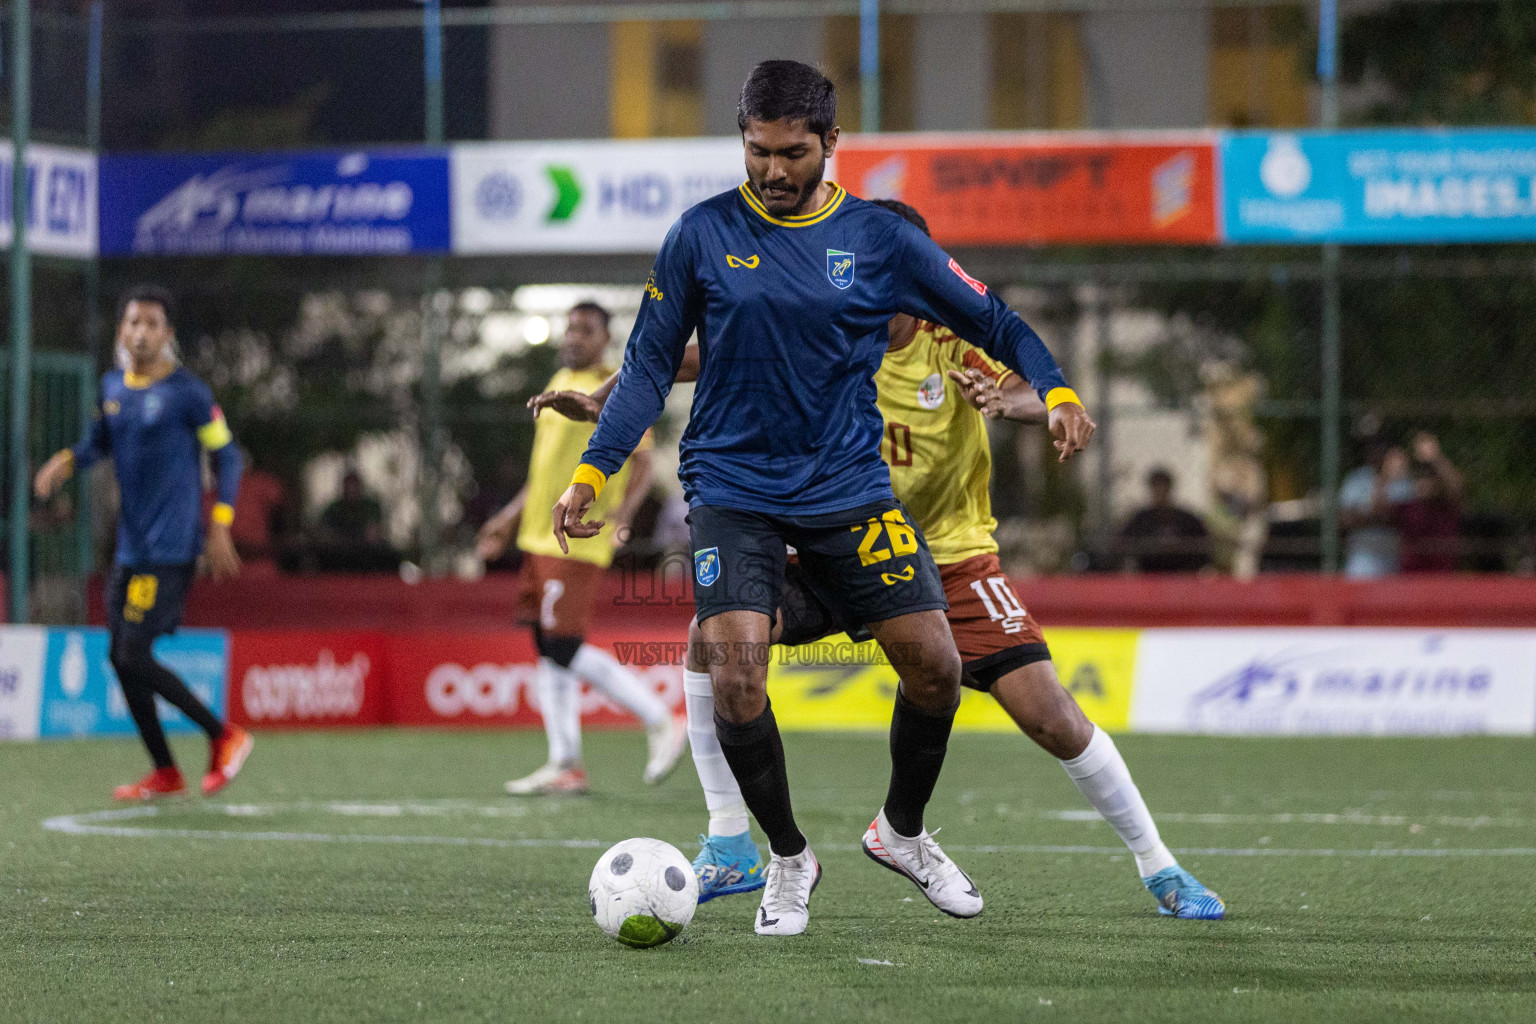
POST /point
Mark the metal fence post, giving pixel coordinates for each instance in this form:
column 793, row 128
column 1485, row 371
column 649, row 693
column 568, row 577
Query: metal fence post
column 869, row 65
column 1327, row 72
column 21, row 308
column 431, row 329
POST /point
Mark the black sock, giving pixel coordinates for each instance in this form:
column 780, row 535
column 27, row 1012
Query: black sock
column 918, row 741
column 756, row 756
column 140, row 699
column 169, row 685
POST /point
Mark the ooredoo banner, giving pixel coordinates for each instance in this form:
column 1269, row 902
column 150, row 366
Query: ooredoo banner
column 1335, row 681
column 307, row 680
column 1037, row 189
column 488, row 679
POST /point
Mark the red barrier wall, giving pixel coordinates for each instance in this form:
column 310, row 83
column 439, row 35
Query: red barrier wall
column 385, row 604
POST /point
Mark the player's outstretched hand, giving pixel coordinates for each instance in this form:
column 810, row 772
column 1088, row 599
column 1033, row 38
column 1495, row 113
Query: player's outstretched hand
column 1072, row 428
column 223, row 562
column 569, row 512
column 981, row 392
column 573, row 405
column 53, row 474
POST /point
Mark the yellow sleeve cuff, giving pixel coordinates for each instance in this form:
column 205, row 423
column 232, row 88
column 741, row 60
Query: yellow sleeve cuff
column 591, row 476
column 222, row 514
column 1060, row 396
column 214, row 434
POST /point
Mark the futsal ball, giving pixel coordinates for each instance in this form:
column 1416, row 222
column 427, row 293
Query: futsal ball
column 643, row 892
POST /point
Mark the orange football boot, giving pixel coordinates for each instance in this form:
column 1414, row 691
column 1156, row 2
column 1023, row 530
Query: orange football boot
column 229, row 752
column 161, row 782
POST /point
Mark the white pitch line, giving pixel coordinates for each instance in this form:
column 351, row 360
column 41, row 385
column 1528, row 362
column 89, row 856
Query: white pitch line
column 87, row 824
column 1302, row 818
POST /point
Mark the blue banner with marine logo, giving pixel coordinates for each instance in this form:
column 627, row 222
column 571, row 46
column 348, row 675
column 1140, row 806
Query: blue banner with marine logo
column 1379, row 186
column 322, row 203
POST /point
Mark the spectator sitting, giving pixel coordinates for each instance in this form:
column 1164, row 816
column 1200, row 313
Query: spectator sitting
column 258, row 512
column 352, row 532
column 1163, row 537
column 1430, row 522
column 1372, row 547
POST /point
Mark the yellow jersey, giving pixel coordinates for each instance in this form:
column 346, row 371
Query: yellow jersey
column 558, row 444
column 935, row 442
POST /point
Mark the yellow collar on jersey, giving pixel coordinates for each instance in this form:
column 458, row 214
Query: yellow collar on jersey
column 803, row 220
column 140, row 381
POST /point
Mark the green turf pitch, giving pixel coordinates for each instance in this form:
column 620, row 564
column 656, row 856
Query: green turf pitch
column 399, row 884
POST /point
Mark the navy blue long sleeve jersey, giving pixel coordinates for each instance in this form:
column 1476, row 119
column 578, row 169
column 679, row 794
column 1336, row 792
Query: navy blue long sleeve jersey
column 153, row 433
column 791, row 315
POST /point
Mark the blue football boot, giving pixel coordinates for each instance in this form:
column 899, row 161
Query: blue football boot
column 1180, row 894
column 727, row 865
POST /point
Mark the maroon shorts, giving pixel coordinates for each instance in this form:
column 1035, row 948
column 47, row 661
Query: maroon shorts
column 556, row 594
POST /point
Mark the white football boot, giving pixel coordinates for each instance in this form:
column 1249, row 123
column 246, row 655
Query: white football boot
column 786, row 906
column 550, row 780
column 664, row 744
column 921, row 860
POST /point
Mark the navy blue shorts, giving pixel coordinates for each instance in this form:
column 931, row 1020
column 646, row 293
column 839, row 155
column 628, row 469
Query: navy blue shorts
column 869, row 563
column 148, row 599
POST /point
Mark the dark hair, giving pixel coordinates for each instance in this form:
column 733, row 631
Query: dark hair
column 905, row 212
column 160, row 296
column 780, row 90
column 593, row 308
column 1160, row 473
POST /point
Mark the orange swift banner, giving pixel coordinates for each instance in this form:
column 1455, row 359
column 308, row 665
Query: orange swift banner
column 1043, row 189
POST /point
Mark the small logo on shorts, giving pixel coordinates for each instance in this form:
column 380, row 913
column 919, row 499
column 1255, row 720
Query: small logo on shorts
column 706, row 566
column 905, row 576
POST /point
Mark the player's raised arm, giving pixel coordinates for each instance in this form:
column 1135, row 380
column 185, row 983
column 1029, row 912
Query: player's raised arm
column 932, row 285
column 669, row 314
column 583, row 408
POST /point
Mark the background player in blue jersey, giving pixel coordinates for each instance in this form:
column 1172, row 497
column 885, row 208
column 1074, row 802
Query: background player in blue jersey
column 153, row 420
column 790, row 283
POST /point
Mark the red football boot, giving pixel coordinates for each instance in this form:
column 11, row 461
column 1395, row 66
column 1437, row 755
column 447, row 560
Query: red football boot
column 161, row 782
column 229, row 752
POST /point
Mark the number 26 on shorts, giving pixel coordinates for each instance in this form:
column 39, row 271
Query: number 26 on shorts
column 901, row 537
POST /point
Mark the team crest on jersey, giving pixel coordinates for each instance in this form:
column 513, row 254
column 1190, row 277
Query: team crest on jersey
column 930, row 393
column 706, row 566
column 153, row 404
column 840, row 267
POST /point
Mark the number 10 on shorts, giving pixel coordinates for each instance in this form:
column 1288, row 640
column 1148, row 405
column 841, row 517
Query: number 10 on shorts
column 1011, row 614
column 902, row 538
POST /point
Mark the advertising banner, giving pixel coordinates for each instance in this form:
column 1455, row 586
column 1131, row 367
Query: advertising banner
column 602, row 196
column 1040, row 189
column 291, row 680
column 81, row 695
column 21, row 680
column 487, row 679
column 834, row 684
column 1336, row 681
column 352, row 203
column 61, row 214
column 1380, row 186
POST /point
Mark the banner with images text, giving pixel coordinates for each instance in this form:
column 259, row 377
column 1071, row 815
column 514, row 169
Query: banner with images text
column 1043, row 188
column 353, row 203
column 608, row 196
column 1345, row 681
column 63, row 204
column 1389, row 186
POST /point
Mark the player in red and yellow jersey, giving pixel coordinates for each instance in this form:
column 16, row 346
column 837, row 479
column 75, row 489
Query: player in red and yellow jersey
column 935, row 392
column 558, row 587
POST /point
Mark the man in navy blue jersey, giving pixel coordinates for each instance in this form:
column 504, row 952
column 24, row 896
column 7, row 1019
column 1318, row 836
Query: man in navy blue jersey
column 154, row 420
column 790, row 283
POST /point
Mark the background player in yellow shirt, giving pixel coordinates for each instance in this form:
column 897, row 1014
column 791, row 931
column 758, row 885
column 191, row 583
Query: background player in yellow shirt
column 935, row 392
column 558, row 588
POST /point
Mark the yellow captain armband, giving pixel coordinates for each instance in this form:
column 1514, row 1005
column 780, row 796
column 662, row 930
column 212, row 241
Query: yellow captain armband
column 591, row 476
column 215, row 433
column 222, row 514
column 1061, row 396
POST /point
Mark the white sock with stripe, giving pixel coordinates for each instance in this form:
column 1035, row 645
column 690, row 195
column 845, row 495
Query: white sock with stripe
column 727, row 809
column 1100, row 774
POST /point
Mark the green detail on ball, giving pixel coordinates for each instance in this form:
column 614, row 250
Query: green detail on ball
column 642, row 931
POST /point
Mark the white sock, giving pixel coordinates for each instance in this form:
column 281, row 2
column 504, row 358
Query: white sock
column 727, row 809
column 603, row 671
column 1102, row 777
column 560, row 705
